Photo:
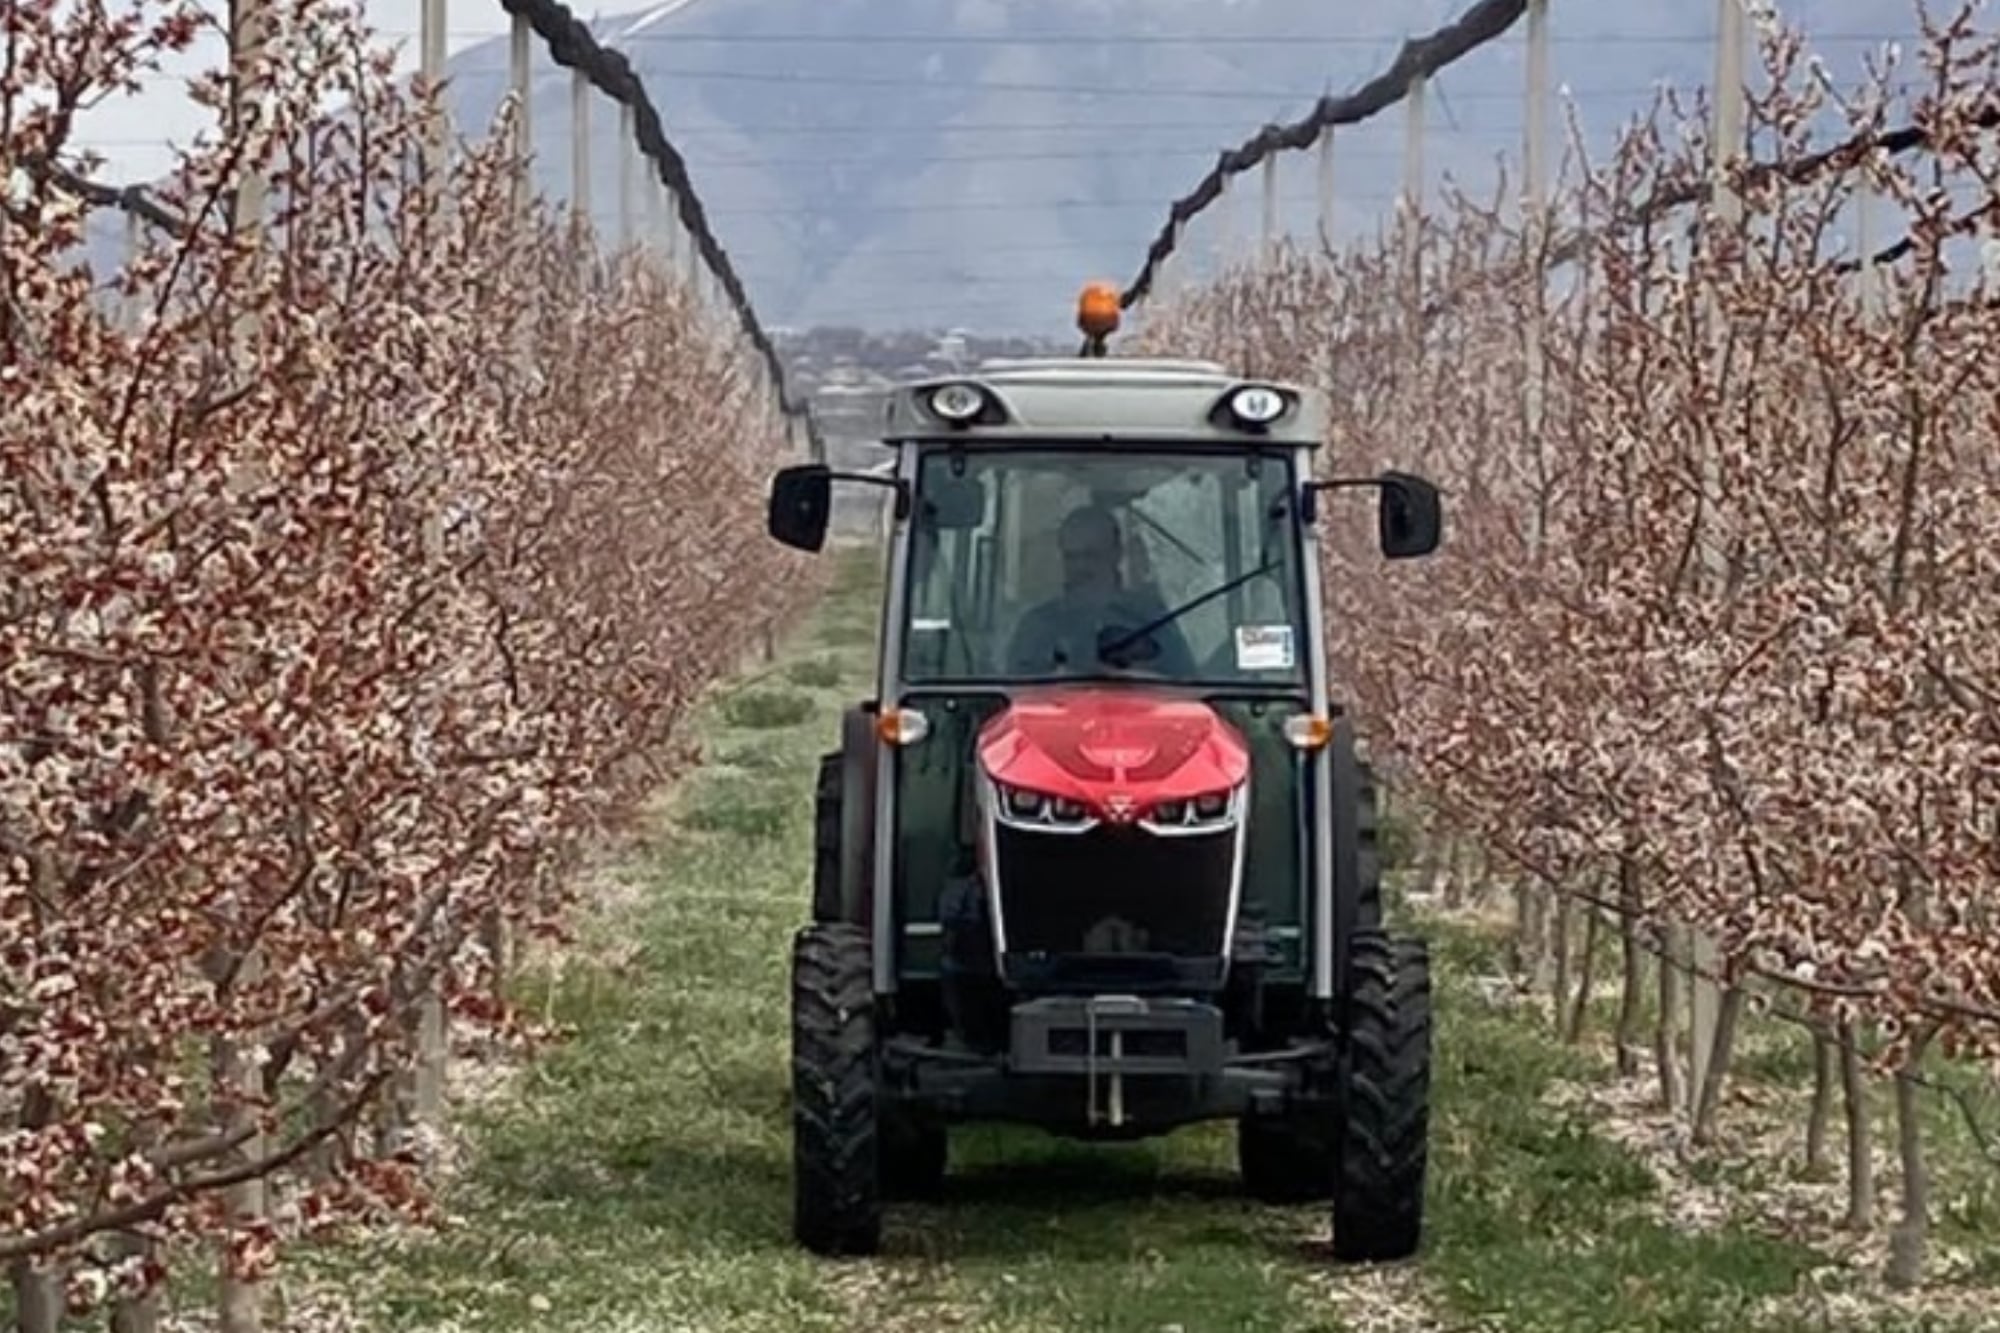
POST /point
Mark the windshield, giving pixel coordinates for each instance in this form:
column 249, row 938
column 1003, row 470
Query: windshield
column 1051, row 565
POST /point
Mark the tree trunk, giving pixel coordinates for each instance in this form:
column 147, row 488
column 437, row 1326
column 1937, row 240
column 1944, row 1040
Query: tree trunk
column 1559, row 944
column 1586, row 971
column 1455, row 895
column 1717, row 1074
column 1541, row 941
column 1634, row 978
column 1520, row 947
column 494, row 935
column 239, row 1296
column 1907, row 1241
column 1666, row 1029
column 433, row 1063
column 1860, row 1163
column 38, row 1298
column 137, row 1314
column 1821, row 1111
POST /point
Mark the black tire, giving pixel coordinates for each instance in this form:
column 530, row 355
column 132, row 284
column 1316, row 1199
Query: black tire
column 826, row 888
column 914, row 1155
column 836, row 1191
column 1288, row 1159
column 1378, row 1199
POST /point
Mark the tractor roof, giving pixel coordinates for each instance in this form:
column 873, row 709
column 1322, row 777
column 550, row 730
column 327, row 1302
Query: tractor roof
column 1102, row 400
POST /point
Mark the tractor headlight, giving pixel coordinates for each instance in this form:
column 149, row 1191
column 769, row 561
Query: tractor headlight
column 1207, row 812
column 1018, row 807
column 1024, row 803
column 957, row 403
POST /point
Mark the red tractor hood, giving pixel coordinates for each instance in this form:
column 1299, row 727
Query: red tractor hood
column 1117, row 751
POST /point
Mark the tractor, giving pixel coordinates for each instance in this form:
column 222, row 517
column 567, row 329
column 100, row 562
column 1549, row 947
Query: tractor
column 1099, row 853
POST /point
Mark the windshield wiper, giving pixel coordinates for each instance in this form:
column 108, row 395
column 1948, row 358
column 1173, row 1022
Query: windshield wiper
column 1106, row 651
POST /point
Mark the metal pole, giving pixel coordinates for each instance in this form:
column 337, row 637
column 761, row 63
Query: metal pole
column 579, row 151
column 1326, row 225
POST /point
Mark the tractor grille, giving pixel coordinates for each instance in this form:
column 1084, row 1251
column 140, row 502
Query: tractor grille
column 1114, row 891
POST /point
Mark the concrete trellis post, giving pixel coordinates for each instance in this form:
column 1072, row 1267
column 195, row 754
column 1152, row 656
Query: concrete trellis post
column 1225, row 225
column 1326, row 223
column 628, row 162
column 1535, row 205
column 1705, row 1000
column 132, row 310
column 240, row 1302
column 431, row 28
column 579, row 151
column 519, row 54
column 1413, row 179
column 1270, row 236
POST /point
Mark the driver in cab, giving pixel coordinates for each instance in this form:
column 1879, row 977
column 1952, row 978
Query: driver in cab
column 1095, row 610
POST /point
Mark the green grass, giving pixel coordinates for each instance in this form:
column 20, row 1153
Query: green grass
column 639, row 1177
column 818, row 673
column 1540, row 1223
column 767, row 709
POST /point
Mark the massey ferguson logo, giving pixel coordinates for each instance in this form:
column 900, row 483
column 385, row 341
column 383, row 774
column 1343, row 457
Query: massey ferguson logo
column 1119, row 806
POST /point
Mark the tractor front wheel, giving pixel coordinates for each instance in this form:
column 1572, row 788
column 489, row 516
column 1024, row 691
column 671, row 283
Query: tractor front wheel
column 836, row 1191
column 1378, row 1196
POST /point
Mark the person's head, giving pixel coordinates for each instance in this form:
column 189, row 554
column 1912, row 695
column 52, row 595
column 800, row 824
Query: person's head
column 1090, row 546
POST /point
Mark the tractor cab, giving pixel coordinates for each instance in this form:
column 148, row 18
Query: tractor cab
column 1097, row 854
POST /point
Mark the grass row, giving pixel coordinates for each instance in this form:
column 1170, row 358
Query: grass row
column 638, row 1177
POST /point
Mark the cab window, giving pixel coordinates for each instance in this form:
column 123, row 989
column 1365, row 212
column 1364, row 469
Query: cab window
column 1029, row 565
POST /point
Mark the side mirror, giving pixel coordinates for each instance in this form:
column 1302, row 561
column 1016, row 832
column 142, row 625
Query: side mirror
column 1410, row 516
column 801, row 505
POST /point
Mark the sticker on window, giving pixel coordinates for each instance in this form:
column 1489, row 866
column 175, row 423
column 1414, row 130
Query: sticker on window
column 1264, row 648
column 929, row 625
